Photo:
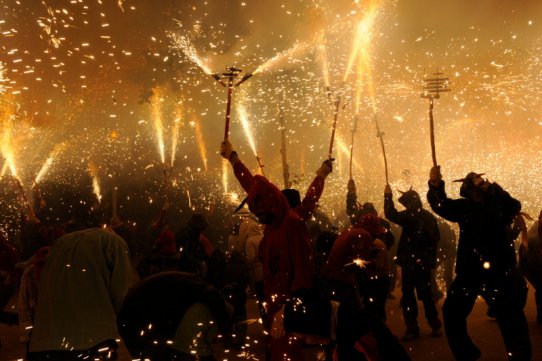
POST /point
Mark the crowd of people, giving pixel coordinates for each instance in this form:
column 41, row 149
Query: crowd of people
column 79, row 285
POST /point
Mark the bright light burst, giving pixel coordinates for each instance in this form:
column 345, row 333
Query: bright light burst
column 157, row 101
column 93, row 171
column 55, row 153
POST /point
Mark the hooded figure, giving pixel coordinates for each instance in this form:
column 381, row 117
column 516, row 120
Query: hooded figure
column 285, row 252
column 420, row 235
column 485, row 265
column 417, row 256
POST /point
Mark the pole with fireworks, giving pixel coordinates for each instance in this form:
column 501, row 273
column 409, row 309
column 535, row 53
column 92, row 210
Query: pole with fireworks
column 336, row 103
column 354, row 129
column 285, row 166
column 432, row 87
column 380, row 134
column 230, row 74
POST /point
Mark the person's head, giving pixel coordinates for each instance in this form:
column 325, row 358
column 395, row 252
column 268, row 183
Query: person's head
column 166, row 242
column 307, row 315
column 266, row 201
column 368, row 208
column 293, row 197
column 371, row 223
column 198, row 221
column 473, row 186
column 410, row 200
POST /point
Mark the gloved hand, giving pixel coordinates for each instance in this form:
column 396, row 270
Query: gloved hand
column 387, row 189
column 435, row 177
column 226, row 149
column 351, row 186
column 325, row 168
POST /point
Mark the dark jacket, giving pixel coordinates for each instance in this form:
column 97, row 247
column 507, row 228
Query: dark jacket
column 285, row 249
column 420, row 235
column 161, row 300
column 484, row 247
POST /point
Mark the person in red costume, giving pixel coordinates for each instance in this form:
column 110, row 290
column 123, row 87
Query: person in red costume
column 285, row 252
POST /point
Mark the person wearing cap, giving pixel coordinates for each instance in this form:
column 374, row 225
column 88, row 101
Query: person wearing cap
column 305, row 208
column 485, row 263
column 285, row 252
column 417, row 257
column 359, row 336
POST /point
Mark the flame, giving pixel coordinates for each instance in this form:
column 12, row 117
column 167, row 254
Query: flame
column 184, row 44
column 363, row 37
column 362, row 51
column 7, row 146
column 189, row 199
column 58, row 149
column 199, row 137
column 175, row 132
column 345, row 150
column 322, row 55
column 157, row 121
column 246, row 127
column 93, row 170
column 225, row 167
column 295, row 50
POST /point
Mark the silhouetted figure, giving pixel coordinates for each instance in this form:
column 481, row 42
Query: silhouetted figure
column 358, row 335
column 173, row 316
column 417, row 257
column 485, row 265
column 530, row 263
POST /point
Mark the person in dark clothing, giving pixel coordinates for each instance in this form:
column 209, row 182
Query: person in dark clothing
column 354, row 253
column 235, row 283
column 417, row 257
column 163, row 256
column 530, row 263
column 447, row 249
column 358, row 335
column 193, row 256
column 355, row 210
column 173, row 316
column 485, row 265
column 9, row 275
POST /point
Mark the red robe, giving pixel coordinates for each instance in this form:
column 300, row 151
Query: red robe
column 285, row 252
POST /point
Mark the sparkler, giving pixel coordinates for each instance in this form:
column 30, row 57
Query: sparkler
column 380, row 135
column 248, row 132
column 93, row 170
column 199, row 139
column 58, row 149
column 354, row 129
column 285, row 167
column 175, row 133
column 158, row 124
column 432, row 87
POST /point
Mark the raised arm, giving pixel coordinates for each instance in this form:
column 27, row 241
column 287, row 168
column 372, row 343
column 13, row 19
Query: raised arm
column 310, row 201
column 241, row 172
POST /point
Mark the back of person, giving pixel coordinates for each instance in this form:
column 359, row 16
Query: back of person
column 164, row 300
column 83, row 284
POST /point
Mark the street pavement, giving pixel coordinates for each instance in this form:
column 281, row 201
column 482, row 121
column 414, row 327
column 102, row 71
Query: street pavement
column 483, row 330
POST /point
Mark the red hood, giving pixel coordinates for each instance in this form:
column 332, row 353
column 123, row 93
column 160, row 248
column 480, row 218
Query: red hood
column 270, row 197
